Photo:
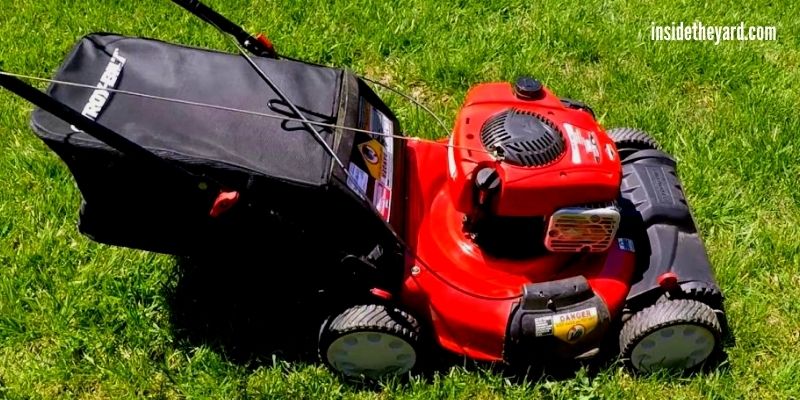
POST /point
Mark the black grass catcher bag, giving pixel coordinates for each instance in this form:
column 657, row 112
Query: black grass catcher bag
column 289, row 186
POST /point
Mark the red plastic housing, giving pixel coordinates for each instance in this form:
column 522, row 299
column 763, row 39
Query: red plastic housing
column 466, row 295
column 588, row 172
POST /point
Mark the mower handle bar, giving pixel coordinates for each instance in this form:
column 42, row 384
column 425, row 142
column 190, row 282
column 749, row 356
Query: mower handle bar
column 216, row 19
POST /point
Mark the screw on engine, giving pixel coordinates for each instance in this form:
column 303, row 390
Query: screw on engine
column 498, row 153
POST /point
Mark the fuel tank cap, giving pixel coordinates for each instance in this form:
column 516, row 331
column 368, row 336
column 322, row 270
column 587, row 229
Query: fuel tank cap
column 528, row 88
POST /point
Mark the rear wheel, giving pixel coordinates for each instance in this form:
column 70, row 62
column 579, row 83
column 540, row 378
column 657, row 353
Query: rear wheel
column 370, row 341
column 672, row 334
column 631, row 140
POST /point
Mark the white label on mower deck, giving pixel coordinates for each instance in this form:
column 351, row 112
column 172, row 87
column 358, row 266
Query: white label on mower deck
column 382, row 199
column 388, row 151
column 626, row 245
column 574, row 141
column 357, row 180
column 544, row 326
column 388, row 129
column 382, row 190
column 582, row 138
column 99, row 98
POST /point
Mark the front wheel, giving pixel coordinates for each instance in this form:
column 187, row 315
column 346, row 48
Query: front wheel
column 672, row 334
column 370, row 341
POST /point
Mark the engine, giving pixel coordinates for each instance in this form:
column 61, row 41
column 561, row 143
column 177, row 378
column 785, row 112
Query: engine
column 533, row 172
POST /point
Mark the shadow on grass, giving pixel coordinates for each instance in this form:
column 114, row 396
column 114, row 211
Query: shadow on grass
column 251, row 311
column 245, row 310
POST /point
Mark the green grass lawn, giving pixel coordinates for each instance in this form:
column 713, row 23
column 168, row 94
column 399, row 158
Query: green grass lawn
column 83, row 320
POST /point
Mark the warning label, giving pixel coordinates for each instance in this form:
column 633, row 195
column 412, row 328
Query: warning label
column 569, row 327
column 583, row 145
column 357, row 180
column 375, row 157
column 544, row 326
column 382, row 199
column 387, row 167
column 626, row 245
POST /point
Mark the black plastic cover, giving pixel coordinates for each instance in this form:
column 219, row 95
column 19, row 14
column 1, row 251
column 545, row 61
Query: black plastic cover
column 554, row 295
column 653, row 201
column 650, row 182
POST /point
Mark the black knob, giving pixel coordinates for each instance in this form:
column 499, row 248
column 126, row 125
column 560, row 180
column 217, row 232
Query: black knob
column 487, row 179
column 528, row 88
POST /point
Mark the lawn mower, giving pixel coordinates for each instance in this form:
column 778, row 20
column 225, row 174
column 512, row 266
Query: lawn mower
column 529, row 235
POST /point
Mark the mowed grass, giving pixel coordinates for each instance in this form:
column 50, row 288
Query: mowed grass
column 83, row 320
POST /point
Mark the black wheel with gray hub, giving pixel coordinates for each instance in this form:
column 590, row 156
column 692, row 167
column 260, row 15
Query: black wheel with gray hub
column 672, row 334
column 370, row 341
column 631, row 140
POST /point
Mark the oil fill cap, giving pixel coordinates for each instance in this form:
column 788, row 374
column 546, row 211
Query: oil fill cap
column 528, row 88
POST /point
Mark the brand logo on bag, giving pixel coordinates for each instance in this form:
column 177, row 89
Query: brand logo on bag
column 372, row 152
column 99, row 97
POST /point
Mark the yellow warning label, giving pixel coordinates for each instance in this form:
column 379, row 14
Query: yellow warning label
column 573, row 326
column 372, row 152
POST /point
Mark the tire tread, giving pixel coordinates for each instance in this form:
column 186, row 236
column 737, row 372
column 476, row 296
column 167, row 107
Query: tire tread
column 662, row 314
column 632, row 139
column 373, row 318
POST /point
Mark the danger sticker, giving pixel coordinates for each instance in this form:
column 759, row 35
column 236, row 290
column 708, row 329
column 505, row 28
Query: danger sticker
column 572, row 326
column 569, row 327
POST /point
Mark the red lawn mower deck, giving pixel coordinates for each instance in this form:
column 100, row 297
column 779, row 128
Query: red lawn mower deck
column 526, row 234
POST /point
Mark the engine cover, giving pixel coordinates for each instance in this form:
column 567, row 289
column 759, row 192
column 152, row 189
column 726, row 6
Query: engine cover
column 523, row 138
column 547, row 155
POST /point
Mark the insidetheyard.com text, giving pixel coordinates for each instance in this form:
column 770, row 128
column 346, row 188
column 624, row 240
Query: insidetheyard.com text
column 712, row 33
